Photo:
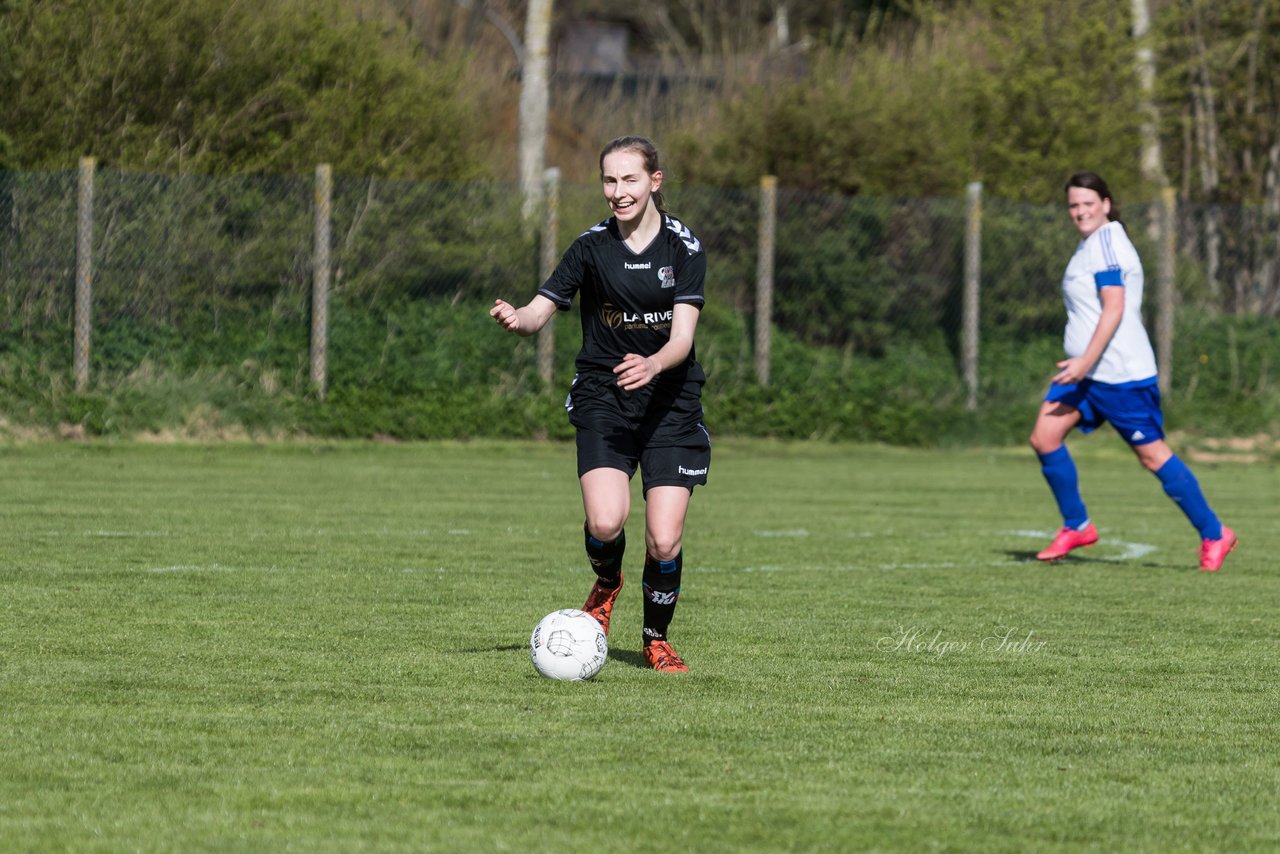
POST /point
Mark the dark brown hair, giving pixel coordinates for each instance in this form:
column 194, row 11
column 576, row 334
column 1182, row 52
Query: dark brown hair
column 1093, row 181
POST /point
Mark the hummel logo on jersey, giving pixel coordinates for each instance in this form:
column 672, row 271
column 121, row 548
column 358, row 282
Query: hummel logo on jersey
column 1137, row 436
column 691, row 472
column 645, row 266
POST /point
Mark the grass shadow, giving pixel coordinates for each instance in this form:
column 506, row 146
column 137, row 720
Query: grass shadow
column 1023, row 556
column 630, row 657
column 1074, row 559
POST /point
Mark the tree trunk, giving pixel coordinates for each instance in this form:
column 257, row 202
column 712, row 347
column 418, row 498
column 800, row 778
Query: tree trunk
column 1269, row 274
column 1152, row 161
column 1206, row 133
column 534, row 104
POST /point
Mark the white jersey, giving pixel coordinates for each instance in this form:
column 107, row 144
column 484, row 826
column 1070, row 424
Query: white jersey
column 1107, row 258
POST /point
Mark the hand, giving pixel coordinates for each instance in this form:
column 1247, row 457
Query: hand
column 1072, row 371
column 635, row 372
column 506, row 315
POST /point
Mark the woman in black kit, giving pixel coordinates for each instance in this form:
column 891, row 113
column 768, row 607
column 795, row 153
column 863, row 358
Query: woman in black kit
column 636, row 397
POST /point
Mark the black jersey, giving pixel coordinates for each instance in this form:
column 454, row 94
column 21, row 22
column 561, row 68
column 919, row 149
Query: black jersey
column 629, row 298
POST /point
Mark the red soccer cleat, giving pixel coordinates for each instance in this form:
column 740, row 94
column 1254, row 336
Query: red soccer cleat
column 1214, row 552
column 600, row 601
column 1068, row 539
column 663, row 658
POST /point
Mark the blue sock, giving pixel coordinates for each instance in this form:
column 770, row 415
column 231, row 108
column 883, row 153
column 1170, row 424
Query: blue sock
column 1181, row 485
column 1060, row 471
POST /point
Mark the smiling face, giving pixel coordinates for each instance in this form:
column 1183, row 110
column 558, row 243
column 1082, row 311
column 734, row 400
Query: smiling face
column 627, row 186
column 1087, row 209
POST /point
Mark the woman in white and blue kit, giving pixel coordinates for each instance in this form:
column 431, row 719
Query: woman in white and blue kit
column 1110, row 375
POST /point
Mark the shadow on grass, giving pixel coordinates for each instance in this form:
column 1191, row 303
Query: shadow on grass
column 1074, row 559
column 631, row 658
column 1030, row 557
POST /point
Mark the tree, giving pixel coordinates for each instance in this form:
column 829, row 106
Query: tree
column 206, row 86
column 1222, row 64
column 1015, row 93
column 1152, row 158
column 534, row 101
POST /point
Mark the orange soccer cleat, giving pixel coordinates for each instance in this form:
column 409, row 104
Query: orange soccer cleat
column 1068, row 539
column 600, row 601
column 663, row 658
column 1214, row 552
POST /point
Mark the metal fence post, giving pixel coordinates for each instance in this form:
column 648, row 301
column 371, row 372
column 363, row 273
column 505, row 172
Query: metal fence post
column 547, row 335
column 320, row 280
column 972, row 291
column 1165, row 289
column 84, row 272
column 764, row 274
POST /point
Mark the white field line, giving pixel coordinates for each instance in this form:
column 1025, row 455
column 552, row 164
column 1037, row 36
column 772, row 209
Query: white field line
column 193, row 567
column 64, row 534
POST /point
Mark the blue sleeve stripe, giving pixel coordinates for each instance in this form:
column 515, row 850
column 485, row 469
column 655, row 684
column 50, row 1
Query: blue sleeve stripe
column 1109, row 276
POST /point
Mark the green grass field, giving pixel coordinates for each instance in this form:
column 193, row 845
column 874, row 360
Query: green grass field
column 323, row 647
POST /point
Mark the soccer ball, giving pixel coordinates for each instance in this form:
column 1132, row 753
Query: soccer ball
column 568, row 645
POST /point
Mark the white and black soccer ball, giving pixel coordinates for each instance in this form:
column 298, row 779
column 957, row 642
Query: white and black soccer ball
column 569, row 645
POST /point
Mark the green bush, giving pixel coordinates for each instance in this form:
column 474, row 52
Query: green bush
column 204, row 86
column 431, row 369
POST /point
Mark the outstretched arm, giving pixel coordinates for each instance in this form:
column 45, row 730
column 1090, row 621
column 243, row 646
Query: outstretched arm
column 525, row 320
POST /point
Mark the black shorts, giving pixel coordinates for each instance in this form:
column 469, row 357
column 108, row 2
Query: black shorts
column 658, row 428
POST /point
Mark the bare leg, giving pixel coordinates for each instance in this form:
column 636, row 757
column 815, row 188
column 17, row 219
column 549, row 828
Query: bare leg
column 606, row 498
column 1153, row 455
column 665, row 510
column 1054, row 422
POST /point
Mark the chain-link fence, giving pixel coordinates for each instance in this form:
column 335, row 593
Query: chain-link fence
column 201, row 291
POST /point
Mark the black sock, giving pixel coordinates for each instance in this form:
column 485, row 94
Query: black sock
column 606, row 558
column 661, row 590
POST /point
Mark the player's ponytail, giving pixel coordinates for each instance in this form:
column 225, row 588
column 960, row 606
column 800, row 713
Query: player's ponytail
column 648, row 153
column 1093, row 181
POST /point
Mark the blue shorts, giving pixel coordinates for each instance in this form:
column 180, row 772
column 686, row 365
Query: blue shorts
column 1132, row 408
